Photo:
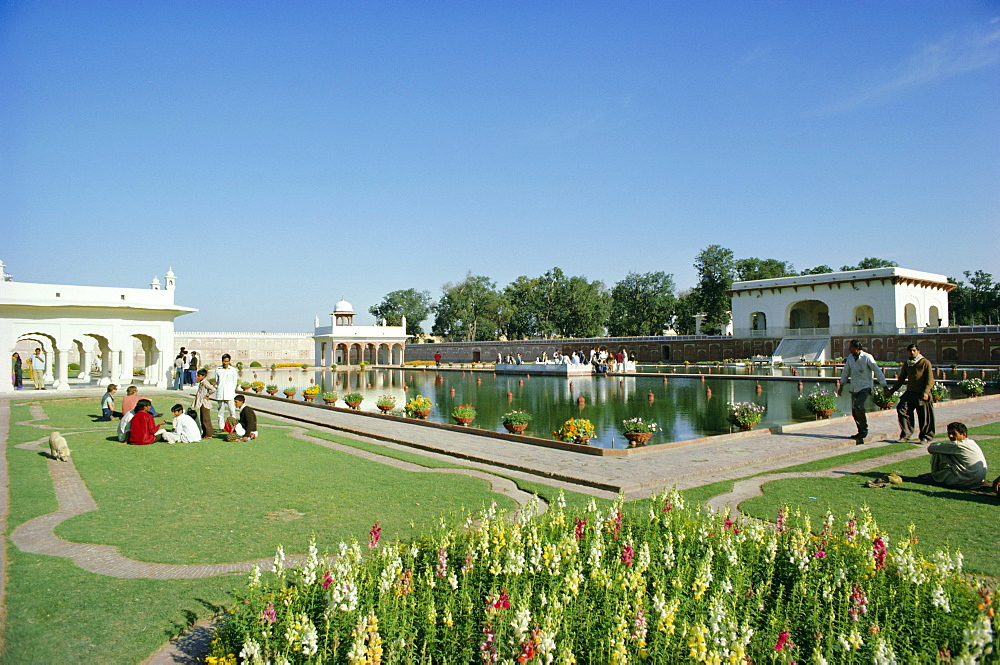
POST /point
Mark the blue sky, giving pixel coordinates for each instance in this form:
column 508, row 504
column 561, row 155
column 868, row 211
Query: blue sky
column 282, row 155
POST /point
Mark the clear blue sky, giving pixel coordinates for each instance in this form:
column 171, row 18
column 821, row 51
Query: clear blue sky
column 280, row 155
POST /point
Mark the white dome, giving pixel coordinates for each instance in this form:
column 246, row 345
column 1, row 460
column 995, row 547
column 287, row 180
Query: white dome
column 343, row 307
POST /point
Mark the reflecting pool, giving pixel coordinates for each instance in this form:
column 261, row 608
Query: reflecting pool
column 681, row 407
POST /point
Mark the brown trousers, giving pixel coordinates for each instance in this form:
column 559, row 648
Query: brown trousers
column 206, row 421
column 912, row 402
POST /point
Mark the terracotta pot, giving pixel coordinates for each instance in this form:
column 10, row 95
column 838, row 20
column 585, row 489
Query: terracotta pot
column 638, row 438
column 329, row 402
column 823, row 414
column 746, row 428
column 515, row 428
column 272, row 392
column 582, row 440
column 308, row 398
column 257, row 390
column 354, row 405
column 422, row 413
column 385, row 408
column 289, row 395
column 464, row 422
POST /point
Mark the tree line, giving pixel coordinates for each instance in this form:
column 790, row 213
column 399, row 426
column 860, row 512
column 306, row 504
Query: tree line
column 559, row 305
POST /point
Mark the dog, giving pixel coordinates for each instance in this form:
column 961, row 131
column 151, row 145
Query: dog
column 57, row 446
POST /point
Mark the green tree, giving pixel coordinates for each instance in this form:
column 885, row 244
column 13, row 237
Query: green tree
column 414, row 305
column 754, row 268
column 555, row 305
column 685, row 308
column 818, row 270
column 715, row 276
column 869, row 263
column 584, row 311
column 471, row 310
column 977, row 302
column 642, row 304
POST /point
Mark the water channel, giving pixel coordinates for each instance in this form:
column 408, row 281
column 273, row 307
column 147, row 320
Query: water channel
column 681, row 406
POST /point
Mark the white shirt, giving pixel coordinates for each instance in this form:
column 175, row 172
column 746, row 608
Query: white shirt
column 187, row 428
column 125, row 424
column 225, row 382
column 858, row 372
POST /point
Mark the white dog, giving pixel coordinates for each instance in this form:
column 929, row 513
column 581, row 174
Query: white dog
column 58, row 447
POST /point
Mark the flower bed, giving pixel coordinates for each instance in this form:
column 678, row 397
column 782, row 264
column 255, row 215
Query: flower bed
column 600, row 586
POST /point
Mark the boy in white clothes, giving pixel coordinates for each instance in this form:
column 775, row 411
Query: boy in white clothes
column 226, row 380
column 185, row 428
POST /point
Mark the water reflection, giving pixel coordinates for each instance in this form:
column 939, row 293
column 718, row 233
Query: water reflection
column 681, row 406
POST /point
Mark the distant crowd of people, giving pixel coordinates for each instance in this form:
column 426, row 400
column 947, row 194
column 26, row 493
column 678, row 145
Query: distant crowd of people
column 601, row 358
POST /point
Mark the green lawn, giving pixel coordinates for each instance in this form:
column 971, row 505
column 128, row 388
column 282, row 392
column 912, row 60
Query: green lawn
column 943, row 518
column 214, row 502
column 205, row 502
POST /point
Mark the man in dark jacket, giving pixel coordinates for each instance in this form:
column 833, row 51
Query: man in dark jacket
column 918, row 373
column 245, row 428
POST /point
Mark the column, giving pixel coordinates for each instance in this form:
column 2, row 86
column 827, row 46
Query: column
column 62, row 368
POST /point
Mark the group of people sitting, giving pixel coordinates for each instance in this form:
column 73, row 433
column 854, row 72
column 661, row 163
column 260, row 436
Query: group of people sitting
column 601, row 358
column 137, row 425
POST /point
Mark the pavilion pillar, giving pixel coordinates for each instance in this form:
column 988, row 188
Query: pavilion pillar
column 62, row 368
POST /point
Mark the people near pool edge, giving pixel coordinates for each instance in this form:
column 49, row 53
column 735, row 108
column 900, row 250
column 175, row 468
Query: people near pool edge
column 859, row 369
column 918, row 374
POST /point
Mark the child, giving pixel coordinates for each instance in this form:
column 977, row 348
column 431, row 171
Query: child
column 958, row 462
column 108, row 405
column 202, row 404
column 185, row 428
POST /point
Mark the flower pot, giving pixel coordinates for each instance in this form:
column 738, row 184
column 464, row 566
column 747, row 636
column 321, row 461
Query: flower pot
column 354, row 405
column 974, row 393
column 272, row 392
column 289, row 395
column 582, row 440
column 257, row 390
column 464, row 422
column 422, row 413
column 385, row 408
column 329, row 402
column 638, row 438
column 823, row 414
column 515, row 428
column 884, row 407
column 308, row 398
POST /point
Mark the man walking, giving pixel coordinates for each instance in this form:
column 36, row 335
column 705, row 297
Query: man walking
column 226, row 378
column 38, row 369
column 918, row 374
column 858, row 370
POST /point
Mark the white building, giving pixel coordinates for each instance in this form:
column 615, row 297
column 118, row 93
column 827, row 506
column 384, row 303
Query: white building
column 99, row 324
column 881, row 301
column 343, row 343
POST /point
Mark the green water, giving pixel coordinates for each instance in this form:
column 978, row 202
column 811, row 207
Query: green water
column 680, row 406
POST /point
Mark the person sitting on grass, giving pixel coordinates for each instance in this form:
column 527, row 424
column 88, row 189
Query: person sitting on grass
column 144, row 430
column 130, row 399
column 244, row 428
column 108, row 405
column 958, row 462
column 185, row 428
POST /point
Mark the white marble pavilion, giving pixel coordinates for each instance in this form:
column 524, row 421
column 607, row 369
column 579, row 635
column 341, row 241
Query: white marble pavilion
column 343, row 343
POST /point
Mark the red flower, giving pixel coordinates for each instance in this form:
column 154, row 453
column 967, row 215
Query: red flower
column 782, row 641
column 374, row 535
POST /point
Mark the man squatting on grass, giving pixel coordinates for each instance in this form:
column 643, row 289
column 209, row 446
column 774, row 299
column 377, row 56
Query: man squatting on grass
column 858, row 370
column 244, row 428
column 958, row 462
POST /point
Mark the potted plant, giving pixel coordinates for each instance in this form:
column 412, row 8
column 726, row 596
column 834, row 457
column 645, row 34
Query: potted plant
column 578, row 430
column 244, row 386
column 938, row 392
column 329, row 398
column 290, row 392
column 362, row 365
column 385, row 403
column 304, row 366
column 257, row 386
column 516, row 421
column 271, row 388
column 637, row 431
column 309, row 394
column 745, row 414
column 353, row 400
column 418, row 407
column 884, row 399
column 972, row 387
column 463, row 414
column 822, row 403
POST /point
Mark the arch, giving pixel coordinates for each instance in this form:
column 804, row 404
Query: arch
column 863, row 318
column 934, row 316
column 909, row 315
column 809, row 315
column 758, row 323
